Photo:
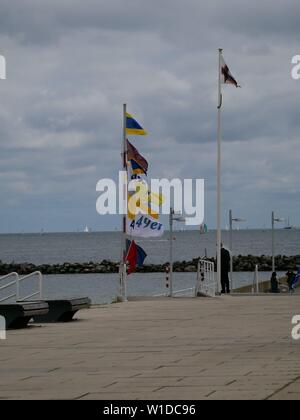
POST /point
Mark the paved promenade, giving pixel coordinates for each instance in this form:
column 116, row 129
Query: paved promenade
column 183, row 348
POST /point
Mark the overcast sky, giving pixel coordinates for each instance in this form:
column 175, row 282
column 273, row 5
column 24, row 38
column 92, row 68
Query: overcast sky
column 71, row 64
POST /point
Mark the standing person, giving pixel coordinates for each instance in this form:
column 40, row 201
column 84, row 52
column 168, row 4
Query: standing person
column 290, row 279
column 295, row 282
column 274, row 283
column 225, row 268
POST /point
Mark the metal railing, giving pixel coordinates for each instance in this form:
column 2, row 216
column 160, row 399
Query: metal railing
column 38, row 293
column 18, row 280
column 184, row 292
column 206, row 284
column 8, row 285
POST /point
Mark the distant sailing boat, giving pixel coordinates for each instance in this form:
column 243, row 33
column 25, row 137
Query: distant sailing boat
column 87, row 229
column 288, row 226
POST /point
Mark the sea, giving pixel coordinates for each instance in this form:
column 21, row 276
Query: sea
column 57, row 248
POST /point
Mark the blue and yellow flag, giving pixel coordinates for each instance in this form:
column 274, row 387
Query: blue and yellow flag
column 136, row 168
column 133, row 127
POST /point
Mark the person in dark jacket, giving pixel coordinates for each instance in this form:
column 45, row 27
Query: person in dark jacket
column 274, row 283
column 290, row 277
column 225, row 268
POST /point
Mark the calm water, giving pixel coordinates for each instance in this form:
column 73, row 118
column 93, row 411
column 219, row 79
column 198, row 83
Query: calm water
column 82, row 247
column 103, row 288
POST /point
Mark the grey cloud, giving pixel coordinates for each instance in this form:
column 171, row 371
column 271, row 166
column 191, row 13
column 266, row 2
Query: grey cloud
column 72, row 64
column 34, row 21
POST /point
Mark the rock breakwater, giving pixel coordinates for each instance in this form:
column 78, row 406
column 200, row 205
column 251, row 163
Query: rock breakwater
column 240, row 263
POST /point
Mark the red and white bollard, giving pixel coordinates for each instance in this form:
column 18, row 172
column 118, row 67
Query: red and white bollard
column 167, row 277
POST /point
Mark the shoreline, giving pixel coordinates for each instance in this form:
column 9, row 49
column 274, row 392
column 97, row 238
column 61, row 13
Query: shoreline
column 240, row 264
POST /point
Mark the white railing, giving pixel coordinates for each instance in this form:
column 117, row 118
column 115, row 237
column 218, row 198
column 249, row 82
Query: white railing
column 18, row 280
column 8, row 285
column 206, row 284
column 38, row 293
column 184, row 292
column 189, row 291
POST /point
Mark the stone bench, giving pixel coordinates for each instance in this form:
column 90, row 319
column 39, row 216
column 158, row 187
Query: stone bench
column 17, row 315
column 62, row 310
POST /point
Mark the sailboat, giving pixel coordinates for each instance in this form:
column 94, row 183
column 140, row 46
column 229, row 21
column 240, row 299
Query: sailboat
column 87, row 229
column 288, row 226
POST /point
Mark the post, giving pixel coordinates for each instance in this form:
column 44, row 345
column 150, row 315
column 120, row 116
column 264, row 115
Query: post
column 123, row 274
column 17, row 287
column 121, row 277
column 219, row 238
column 125, row 283
column 168, row 277
column 217, row 287
column 256, row 278
column 171, row 252
column 41, row 284
column 230, row 246
column 198, row 278
column 273, row 242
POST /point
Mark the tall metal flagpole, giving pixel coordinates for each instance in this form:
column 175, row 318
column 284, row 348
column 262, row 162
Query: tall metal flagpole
column 219, row 238
column 273, row 242
column 230, row 247
column 123, row 273
column 171, row 251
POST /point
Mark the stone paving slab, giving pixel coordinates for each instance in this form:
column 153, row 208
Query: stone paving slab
column 182, row 348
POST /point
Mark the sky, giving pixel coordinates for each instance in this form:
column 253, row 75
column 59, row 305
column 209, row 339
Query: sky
column 72, row 64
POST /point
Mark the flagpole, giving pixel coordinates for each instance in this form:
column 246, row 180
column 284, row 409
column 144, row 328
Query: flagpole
column 219, row 238
column 123, row 274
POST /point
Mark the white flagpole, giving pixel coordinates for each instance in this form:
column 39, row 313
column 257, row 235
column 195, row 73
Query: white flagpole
column 219, row 238
column 123, row 274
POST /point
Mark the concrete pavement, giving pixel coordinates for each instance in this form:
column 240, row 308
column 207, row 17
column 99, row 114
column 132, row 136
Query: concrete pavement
column 183, row 348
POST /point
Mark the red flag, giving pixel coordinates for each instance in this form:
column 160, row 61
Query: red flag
column 131, row 257
column 135, row 256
